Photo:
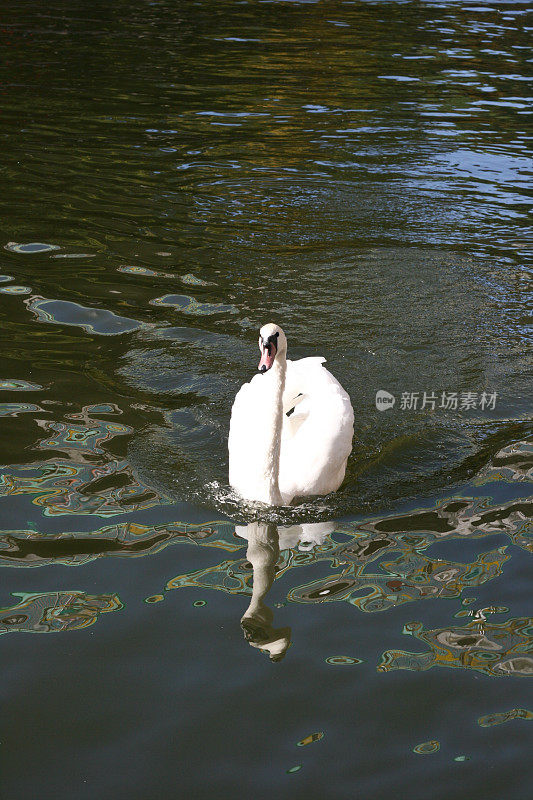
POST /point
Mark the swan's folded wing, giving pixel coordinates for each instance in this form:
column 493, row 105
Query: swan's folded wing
column 299, row 376
column 317, row 435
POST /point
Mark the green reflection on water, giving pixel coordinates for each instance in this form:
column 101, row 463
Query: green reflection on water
column 189, row 305
column 427, row 747
column 14, row 409
column 134, row 270
column 15, row 289
column 415, row 578
column 52, row 612
column 18, row 386
column 82, row 476
column 125, row 539
column 496, row 649
column 504, row 716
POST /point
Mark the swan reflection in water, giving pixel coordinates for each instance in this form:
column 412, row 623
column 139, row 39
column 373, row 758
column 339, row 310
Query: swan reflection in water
column 265, row 542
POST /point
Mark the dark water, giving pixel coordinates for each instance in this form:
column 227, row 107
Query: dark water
column 176, row 174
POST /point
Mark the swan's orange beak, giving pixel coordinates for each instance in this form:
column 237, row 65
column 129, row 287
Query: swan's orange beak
column 268, row 354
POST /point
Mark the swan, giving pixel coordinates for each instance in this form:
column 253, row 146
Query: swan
column 291, row 427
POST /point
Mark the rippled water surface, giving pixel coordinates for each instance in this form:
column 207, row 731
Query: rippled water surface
column 176, row 174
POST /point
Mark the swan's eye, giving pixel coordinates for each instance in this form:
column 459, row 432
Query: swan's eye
column 272, row 340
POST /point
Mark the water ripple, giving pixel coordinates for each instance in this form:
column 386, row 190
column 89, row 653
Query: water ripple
column 189, row 305
column 53, row 612
column 92, row 320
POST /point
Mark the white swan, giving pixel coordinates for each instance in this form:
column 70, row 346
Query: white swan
column 291, row 427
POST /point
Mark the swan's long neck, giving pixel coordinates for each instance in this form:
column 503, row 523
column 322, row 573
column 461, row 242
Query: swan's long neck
column 274, row 424
column 262, row 553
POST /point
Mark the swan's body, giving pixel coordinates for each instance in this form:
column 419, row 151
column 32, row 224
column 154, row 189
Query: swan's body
column 291, row 428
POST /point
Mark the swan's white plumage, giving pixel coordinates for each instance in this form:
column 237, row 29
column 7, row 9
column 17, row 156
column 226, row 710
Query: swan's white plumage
column 316, row 438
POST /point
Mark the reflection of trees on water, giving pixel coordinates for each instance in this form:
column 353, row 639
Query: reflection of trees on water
column 125, row 539
column 51, row 612
column 80, row 475
column 512, row 463
column 496, row 649
column 408, row 578
column 375, row 564
column 411, row 576
column 506, row 716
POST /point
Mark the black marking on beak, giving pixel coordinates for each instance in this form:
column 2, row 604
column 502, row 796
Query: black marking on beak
column 267, row 345
column 272, row 340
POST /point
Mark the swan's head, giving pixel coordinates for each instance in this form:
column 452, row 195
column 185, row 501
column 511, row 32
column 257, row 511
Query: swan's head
column 272, row 342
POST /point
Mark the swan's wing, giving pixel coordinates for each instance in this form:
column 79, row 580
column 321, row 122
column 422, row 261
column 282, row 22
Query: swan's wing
column 297, row 379
column 297, row 390
column 317, row 430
